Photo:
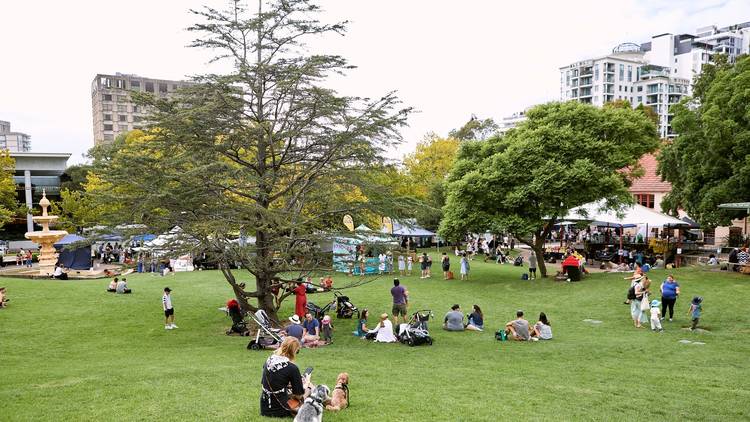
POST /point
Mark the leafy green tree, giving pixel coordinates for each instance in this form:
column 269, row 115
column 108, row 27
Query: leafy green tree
column 74, row 177
column 709, row 162
column 9, row 206
column 266, row 150
column 475, row 129
column 565, row 155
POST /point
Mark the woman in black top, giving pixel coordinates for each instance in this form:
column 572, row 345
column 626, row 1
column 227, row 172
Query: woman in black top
column 446, row 264
column 282, row 380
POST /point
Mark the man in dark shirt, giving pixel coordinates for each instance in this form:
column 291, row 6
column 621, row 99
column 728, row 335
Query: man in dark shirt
column 400, row 301
column 295, row 329
column 311, row 329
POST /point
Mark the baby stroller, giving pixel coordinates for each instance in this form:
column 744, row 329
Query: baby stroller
column 317, row 312
column 518, row 261
column 239, row 326
column 344, row 308
column 415, row 332
column 266, row 337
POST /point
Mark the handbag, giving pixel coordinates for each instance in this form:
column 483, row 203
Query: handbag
column 645, row 305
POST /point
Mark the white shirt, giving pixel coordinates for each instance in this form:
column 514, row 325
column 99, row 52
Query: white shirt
column 58, row 271
column 166, row 301
column 655, row 312
column 385, row 333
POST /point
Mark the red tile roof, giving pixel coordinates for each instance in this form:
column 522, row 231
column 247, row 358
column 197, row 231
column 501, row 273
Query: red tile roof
column 650, row 182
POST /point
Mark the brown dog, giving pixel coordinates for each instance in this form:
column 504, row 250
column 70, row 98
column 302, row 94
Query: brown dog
column 340, row 393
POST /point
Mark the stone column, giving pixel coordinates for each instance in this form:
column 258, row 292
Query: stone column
column 29, row 201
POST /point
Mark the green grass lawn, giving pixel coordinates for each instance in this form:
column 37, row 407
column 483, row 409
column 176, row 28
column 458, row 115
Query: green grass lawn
column 71, row 351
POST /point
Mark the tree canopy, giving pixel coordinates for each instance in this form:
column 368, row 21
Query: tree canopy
column 563, row 156
column 266, row 150
column 709, row 162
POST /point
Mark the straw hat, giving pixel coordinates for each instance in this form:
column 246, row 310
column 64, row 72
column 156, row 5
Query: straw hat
column 384, row 316
column 294, row 319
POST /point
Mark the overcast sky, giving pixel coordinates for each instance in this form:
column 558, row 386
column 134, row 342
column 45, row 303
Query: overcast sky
column 448, row 59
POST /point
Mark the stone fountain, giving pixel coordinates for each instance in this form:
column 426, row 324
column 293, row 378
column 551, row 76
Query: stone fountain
column 46, row 238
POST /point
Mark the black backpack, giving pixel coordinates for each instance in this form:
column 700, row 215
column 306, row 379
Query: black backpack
column 631, row 293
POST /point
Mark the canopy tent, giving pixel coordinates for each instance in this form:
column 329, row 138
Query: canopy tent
column 143, row 238
column 363, row 228
column 78, row 258
column 631, row 216
column 738, row 206
column 411, row 230
column 691, row 223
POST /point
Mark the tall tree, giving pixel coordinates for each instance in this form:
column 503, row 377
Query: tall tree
column 565, row 155
column 9, row 205
column 475, row 130
column 709, row 162
column 259, row 151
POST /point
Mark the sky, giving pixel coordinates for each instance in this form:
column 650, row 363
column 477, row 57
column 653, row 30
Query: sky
column 447, row 59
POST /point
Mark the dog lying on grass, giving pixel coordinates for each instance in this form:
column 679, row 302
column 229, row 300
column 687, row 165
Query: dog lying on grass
column 340, row 394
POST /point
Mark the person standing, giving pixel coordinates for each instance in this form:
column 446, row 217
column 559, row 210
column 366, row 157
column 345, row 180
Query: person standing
column 166, row 303
column 445, row 262
column 401, row 265
column 423, row 265
column 532, row 265
column 635, row 304
column 464, row 267
column 670, row 290
column 696, row 307
column 300, row 299
column 400, row 301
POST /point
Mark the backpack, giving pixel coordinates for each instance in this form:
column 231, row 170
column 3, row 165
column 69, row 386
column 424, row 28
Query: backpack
column 500, row 335
column 524, row 276
column 631, row 293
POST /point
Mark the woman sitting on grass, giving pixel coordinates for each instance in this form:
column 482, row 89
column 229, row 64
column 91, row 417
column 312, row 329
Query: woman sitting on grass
column 362, row 323
column 476, row 319
column 113, row 285
column 383, row 332
column 3, row 298
column 542, row 329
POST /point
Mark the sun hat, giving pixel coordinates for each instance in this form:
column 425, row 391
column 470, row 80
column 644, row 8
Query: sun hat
column 655, row 303
column 294, row 319
column 384, row 316
column 326, row 319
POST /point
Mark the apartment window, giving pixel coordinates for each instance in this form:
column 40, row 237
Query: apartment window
column 640, row 99
column 619, row 88
column 639, row 89
column 122, row 99
column 645, row 199
column 106, row 82
column 630, row 73
column 109, row 137
column 122, row 128
column 149, row 87
column 174, row 87
column 137, row 118
column 136, row 109
column 135, row 85
column 567, row 78
column 596, row 72
column 163, row 88
column 107, row 97
column 622, row 72
column 120, row 83
column 106, row 107
column 122, row 108
column 122, row 117
column 107, row 127
column 107, row 117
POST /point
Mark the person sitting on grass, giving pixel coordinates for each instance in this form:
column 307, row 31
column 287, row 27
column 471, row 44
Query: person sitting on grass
column 122, row 287
column 383, row 331
column 476, row 319
column 543, row 328
column 362, row 330
column 518, row 329
column 112, row 285
column 295, row 328
column 3, row 298
column 311, row 330
column 59, row 273
column 454, row 320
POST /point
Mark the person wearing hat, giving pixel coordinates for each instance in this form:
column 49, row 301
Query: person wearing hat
column 635, row 304
column 166, row 303
column 384, row 330
column 295, row 328
column 696, row 307
column 656, row 316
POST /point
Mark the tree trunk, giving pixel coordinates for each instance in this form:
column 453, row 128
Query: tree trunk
column 539, row 251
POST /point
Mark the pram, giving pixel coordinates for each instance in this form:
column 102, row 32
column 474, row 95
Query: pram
column 344, row 308
column 415, row 332
column 239, row 326
column 317, row 312
column 266, row 337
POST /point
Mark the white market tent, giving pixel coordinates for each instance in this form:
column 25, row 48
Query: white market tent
column 630, row 216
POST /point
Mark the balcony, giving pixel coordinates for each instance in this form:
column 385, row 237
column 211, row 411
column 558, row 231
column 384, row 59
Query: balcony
column 585, row 81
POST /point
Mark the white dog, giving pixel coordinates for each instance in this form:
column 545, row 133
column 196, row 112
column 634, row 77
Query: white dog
column 312, row 409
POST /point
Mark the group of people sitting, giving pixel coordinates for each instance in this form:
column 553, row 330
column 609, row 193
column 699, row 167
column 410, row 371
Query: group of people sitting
column 310, row 332
column 382, row 332
column 59, row 273
column 454, row 319
column 519, row 329
column 119, row 286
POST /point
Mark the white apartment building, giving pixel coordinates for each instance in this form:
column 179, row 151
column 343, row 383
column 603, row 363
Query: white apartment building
column 509, row 122
column 656, row 74
column 13, row 141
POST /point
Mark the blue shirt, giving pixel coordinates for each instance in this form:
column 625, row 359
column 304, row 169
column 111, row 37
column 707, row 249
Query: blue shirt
column 310, row 326
column 669, row 290
column 695, row 311
column 476, row 320
column 294, row 330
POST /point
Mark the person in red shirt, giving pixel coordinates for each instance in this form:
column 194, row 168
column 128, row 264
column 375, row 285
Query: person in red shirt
column 300, row 292
column 570, row 261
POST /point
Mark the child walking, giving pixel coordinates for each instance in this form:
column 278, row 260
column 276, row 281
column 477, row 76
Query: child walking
column 696, row 306
column 327, row 330
column 409, row 263
column 655, row 316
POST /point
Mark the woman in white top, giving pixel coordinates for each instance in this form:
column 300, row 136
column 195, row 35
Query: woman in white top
column 384, row 330
column 543, row 328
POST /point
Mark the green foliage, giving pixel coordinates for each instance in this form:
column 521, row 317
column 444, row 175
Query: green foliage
column 74, row 177
column 9, row 205
column 265, row 150
column 114, row 347
column 475, row 129
column 709, row 162
column 565, row 155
